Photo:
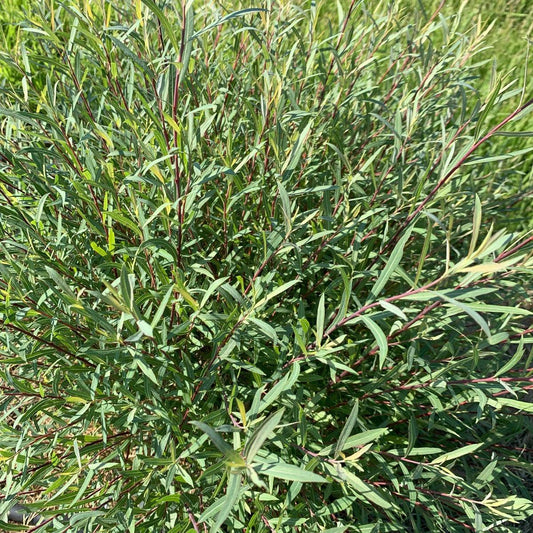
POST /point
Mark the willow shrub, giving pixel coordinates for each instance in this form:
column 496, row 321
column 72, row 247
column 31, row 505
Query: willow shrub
column 248, row 282
column 506, row 49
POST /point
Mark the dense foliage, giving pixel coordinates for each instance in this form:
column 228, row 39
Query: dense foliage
column 259, row 270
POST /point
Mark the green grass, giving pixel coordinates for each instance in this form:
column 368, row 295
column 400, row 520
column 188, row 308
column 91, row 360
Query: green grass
column 263, row 270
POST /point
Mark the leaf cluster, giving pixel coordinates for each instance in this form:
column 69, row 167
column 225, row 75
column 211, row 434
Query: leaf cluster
column 252, row 274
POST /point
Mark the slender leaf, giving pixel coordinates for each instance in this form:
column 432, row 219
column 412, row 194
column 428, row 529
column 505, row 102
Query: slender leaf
column 391, row 265
column 460, row 452
column 347, row 429
column 289, row 472
column 261, row 434
column 232, row 495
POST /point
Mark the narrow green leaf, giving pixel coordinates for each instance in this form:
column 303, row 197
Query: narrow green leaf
column 213, row 509
column 345, row 301
column 412, row 434
column 514, row 359
column 98, row 249
column 509, row 402
column 486, row 475
column 169, row 498
column 368, row 492
column 145, row 328
column 279, row 290
column 77, row 452
column 187, row 43
column 232, row 458
column 381, row 339
column 180, row 287
column 320, row 319
column 284, row 384
column 460, row 452
column 119, row 217
column 512, row 507
column 165, row 23
column 215, row 437
column 145, row 369
column 254, row 478
column 357, row 440
column 497, row 158
column 127, row 282
column 394, row 309
column 390, row 267
column 211, row 290
column 267, row 329
column 233, row 15
column 503, row 309
column 261, row 434
column 488, row 107
column 476, row 224
column 515, row 133
column 347, row 429
column 162, row 306
column 425, row 248
column 285, row 208
column 84, row 486
column 469, row 311
column 313, row 190
column 40, row 207
column 165, row 206
column 232, row 495
column 289, row 472
column 60, row 282
column 294, row 157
